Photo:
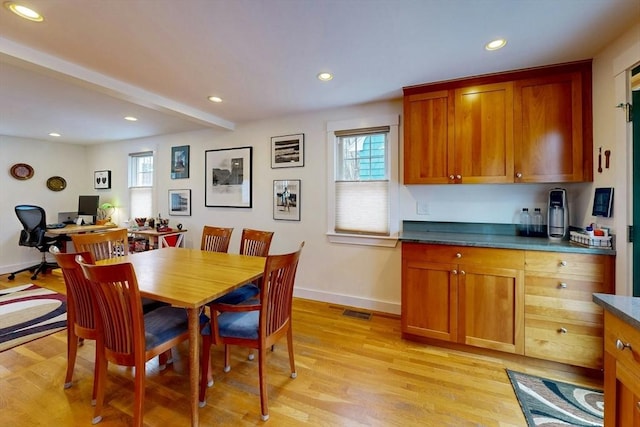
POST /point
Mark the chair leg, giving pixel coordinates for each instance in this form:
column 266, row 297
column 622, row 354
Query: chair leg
column 292, row 362
column 72, row 350
column 138, row 404
column 99, row 381
column 227, row 359
column 165, row 359
column 206, row 377
column 263, row 384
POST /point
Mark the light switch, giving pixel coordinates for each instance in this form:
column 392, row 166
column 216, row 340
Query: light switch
column 422, row 208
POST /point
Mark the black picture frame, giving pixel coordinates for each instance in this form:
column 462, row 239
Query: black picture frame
column 102, row 180
column 180, row 162
column 287, row 151
column 286, row 199
column 228, row 177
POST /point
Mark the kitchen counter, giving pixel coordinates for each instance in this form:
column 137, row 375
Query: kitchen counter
column 488, row 236
column 625, row 308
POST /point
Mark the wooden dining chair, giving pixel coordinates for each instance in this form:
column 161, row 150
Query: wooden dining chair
column 130, row 338
column 257, row 324
column 215, row 239
column 103, row 245
column 81, row 306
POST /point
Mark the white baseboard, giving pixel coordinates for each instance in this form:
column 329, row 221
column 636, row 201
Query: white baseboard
column 348, row 300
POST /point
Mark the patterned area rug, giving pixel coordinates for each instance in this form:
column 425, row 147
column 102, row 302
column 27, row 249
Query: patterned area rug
column 29, row 312
column 552, row 403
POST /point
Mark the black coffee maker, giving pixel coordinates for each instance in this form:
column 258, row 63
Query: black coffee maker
column 558, row 214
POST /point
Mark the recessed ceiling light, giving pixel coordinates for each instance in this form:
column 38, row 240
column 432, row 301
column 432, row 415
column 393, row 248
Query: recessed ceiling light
column 56, row 134
column 24, row 12
column 131, row 118
column 215, row 99
column 325, row 77
column 496, row 44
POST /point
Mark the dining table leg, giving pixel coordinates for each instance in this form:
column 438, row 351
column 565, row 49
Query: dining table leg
column 194, row 361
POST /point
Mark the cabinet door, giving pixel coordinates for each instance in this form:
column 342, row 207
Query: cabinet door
column 429, row 299
column 484, row 134
column 428, row 137
column 491, row 308
column 548, row 129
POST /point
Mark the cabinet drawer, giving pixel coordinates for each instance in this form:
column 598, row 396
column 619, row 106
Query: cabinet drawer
column 616, row 330
column 558, row 263
column 576, row 288
column 576, row 311
column 464, row 255
column 580, row 345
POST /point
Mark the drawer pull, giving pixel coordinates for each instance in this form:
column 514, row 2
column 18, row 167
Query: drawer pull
column 563, row 263
column 562, row 285
column 621, row 346
column 563, row 330
column 458, row 255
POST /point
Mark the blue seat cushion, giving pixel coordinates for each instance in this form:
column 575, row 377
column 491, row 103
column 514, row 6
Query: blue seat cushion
column 149, row 304
column 165, row 323
column 239, row 324
column 239, row 295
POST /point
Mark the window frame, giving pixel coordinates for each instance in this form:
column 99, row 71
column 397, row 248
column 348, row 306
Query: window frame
column 132, row 181
column 392, row 121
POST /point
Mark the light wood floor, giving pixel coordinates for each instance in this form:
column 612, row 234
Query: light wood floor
column 351, row 372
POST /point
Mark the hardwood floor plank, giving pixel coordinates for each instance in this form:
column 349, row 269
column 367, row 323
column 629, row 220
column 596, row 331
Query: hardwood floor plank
column 351, row 372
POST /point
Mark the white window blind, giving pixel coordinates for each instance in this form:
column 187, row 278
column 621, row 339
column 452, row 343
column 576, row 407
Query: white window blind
column 362, row 181
column 141, row 185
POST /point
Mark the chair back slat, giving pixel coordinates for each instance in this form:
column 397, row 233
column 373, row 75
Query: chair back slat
column 255, row 242
column 215, row 239
column 108, row 244
column 277, row 291
column 118, row 298
column 80, row 301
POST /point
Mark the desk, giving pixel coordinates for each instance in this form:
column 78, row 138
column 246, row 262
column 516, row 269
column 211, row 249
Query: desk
column 77, row 229
column 161, row 239
column 191, row 278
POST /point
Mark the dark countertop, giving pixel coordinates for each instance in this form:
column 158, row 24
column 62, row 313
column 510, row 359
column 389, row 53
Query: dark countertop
column 488, row 236
column 626, row 308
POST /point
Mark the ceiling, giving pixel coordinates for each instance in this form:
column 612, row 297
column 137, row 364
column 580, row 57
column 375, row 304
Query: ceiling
column 92, row 62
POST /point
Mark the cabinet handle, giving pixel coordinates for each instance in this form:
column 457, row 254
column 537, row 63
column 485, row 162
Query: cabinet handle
column 563, row 263
column 562, row 285
column 519, row 175
column 563, row 330
column 451, row 177
column 458, row 255
column 454, row 272
column 462, row 272
column 458, row 176
column 638, row 405
column 621, row 346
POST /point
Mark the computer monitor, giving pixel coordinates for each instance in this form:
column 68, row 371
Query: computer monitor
column 88, row 207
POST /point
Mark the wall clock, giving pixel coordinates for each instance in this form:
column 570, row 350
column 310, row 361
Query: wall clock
column 21, row 171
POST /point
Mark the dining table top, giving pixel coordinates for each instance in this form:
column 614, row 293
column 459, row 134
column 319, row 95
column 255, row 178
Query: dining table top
column 190, row 278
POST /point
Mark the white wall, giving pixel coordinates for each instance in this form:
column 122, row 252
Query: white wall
column 360, row 276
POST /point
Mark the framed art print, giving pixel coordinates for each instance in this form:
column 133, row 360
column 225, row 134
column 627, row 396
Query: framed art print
column 287, row 151
column 228, row 174
column 286, row 200
column 102, row 180
column 180, row 162
column 180, row 202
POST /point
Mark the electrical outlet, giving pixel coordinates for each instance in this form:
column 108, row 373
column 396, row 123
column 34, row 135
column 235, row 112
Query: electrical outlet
column 422, row 208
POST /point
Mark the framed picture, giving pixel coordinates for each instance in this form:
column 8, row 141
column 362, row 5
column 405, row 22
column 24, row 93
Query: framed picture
column 180, row 162
column 228, row 174
column 287, row 151
column 102, row 180
column 180, row 202
column 286, row 199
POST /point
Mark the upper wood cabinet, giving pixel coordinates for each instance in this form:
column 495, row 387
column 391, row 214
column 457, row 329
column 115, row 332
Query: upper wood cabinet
column 530, row 125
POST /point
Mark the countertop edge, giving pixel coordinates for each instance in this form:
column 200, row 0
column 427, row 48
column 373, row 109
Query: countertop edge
column 626, row 308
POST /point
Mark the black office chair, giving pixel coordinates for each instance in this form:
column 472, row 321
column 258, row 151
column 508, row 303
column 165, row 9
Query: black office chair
column 33, row 219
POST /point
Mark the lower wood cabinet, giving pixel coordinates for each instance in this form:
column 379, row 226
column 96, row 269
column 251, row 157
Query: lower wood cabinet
column 462, row 294
column 621, row 373
column 534, row 303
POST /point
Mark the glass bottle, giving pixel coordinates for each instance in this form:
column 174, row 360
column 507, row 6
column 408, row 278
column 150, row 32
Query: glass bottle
column 525, row 222
column 537, row 221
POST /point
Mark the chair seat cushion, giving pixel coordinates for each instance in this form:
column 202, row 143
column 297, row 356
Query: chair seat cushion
column 239, row 295
column 149, row 304
column 239, row 324
column 165, row 323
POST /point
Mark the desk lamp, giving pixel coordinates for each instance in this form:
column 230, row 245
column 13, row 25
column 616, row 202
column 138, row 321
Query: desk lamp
column 105, row 212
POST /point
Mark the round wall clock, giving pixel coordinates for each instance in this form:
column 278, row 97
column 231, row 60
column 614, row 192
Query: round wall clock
column 21, row 171
column 56, row 183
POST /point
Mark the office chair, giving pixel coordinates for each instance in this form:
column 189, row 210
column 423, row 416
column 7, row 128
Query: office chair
column 34, row 223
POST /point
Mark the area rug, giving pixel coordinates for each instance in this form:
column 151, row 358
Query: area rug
column 28, row 312
column 552, row 403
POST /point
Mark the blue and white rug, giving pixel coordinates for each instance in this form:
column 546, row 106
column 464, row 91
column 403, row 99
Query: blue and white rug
column 28, row 312
column 550, row 403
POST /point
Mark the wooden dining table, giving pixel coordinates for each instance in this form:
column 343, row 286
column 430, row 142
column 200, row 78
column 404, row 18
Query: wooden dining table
column 191, row 278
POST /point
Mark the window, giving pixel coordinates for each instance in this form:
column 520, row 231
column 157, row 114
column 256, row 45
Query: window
column 363, row 181
column 141, row 185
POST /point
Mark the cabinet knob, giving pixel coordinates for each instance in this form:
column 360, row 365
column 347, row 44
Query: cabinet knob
column 454, row 272
column 458, row 176
column 621, row 346
column 451, row 177
column 562, row 285
column 519, row 175
column 563, row 330
column 462, row 272
column 458, row 255
column 563, row 263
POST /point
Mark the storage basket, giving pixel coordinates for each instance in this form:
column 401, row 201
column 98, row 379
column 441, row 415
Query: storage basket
column 585, row 239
